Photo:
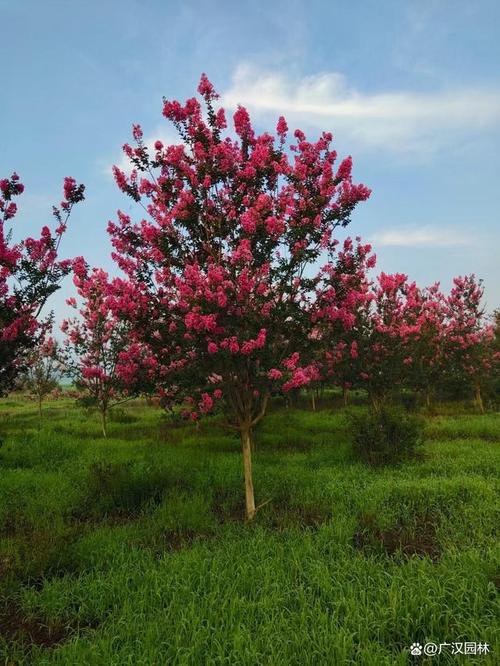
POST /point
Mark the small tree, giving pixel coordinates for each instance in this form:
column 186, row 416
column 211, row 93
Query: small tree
column 384, row 334
column 226, row 257
column 495, row 355
column 341, row 310
column 425, row 354
column 469, row 339
column 29, row 273
column 44, row 370
column 101, row 355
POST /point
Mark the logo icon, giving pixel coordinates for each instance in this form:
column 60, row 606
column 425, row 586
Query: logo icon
column 431, row 649
column 415, row 649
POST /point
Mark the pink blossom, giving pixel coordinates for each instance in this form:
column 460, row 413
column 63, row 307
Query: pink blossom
column 206, row 89
column 243, row 252
column 281, row 128
column 206, row 403
column 242, row 123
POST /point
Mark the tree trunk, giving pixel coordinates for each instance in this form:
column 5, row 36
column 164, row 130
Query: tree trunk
column 428, row 400
column 313, row 400
column 479, row 399
column 376, row 402
column 40, row 408
column 246, row 442
column 104, row 422
column 3, row 428
column 345, row 395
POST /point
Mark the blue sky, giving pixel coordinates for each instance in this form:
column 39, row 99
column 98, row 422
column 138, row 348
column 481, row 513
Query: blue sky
column 410, row 89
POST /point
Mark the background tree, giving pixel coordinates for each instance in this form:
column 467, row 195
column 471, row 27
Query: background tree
column 469, row 338
column 44, row 370
column 29, row 273
column 424, row 323
column 233, row 230
column 495, row 374
column 341, row 308
column 384, row 336
column 101, row 355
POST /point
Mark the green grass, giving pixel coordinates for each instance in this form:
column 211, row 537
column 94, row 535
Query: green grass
column 132, row 550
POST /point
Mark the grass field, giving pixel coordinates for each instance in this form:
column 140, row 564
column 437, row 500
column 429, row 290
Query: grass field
column 133, row 551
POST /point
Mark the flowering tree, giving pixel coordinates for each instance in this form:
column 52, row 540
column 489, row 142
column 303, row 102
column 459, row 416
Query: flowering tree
column 381, row 337
column 340, row 313
column 226, row 257
column 424, row 319
column 29, row 273
column 401, row 335
column 399, row 338
column 495, row 344
column 364, row 330
column 44, row 369
column 102, row 356
column 496, row 328
column 469, row 339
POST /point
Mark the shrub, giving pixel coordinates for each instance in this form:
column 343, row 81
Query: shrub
column 386, row 436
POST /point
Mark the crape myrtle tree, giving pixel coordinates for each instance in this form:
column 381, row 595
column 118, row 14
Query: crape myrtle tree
column 342, row 291
column 495, row 355
column 44, row 370
column 366, row 342
column 340, row 313
column 106, row 363
column 425, row 361
column 420, row 324
column 469, row 338
column 403, row 344
column 29, row 273
column 226, row 253
column 387, row 328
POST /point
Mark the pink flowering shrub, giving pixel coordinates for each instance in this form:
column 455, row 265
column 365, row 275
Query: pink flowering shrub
column 29, row 273
column 226, row 256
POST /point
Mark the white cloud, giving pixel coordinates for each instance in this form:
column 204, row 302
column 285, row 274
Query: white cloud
column 426, row 236
column 419, row 122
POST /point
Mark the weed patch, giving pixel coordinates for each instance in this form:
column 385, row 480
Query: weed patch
column 418, row 539
column 34, row 631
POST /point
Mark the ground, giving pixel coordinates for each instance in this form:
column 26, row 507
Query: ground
column 133, row 550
